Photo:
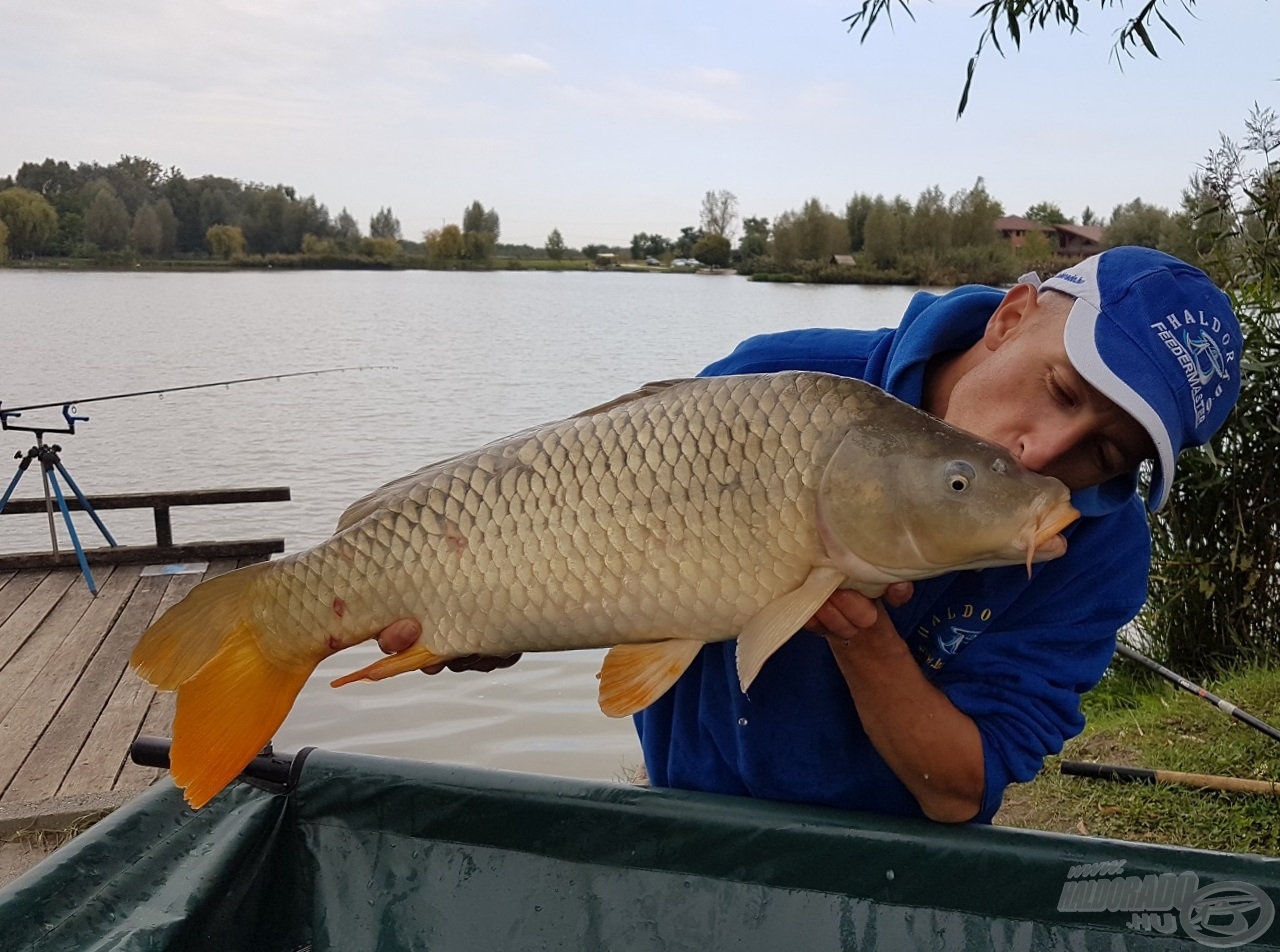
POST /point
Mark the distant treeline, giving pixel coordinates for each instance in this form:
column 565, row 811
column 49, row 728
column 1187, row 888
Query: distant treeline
column 137, row 209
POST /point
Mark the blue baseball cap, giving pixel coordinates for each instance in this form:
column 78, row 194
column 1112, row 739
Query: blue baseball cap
column 1159, row 339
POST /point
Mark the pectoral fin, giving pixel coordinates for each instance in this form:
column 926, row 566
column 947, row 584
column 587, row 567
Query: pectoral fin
column 634, row 676
column 411, row 659
column 770, row 627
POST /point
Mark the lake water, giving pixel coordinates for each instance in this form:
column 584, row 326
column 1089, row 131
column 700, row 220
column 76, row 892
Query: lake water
column 459, row 359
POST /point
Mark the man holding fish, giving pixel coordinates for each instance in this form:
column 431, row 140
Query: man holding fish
column 932, row 699
column 833, row 569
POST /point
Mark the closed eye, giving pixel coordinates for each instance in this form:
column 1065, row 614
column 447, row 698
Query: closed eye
column 1058, row 392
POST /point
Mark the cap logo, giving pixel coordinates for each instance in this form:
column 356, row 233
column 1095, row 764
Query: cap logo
column 1204, row 348
column 1199, row 354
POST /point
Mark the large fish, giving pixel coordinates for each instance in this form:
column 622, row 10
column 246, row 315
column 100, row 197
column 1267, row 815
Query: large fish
column 688, row 512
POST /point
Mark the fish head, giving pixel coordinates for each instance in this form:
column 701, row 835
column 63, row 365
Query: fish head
column 907, row 496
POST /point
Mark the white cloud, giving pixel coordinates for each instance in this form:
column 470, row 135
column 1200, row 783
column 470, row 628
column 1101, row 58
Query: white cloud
column 717, row 77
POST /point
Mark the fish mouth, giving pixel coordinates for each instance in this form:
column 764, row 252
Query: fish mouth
column 1046, row 539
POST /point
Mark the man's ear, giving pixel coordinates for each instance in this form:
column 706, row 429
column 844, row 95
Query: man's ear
column 1019, row 301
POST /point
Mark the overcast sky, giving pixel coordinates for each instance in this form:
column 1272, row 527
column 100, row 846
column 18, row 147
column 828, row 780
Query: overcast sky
column 605, row 119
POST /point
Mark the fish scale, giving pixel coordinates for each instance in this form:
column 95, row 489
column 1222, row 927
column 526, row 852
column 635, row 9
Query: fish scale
column 690, row 511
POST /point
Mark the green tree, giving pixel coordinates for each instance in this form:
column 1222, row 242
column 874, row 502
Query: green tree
column 146, row 235
column 755, row 238
column 929, row 228
column 811, row 234
column 168, row 223
column 1215, row 579
column 1013, row 17
column 51, row 179
column 4, row 242
column 219, row 204
column 107, row 221
column 444, row 245
column 884, row 234
column 683, row 246
column 974, row 213
column 30, row 220
column 135, row 180
column 225, row 241
column 555, row 245
column 713, row 250
column 183, row 198
column 318, row 247
column 384, row 224
column 263, row 220
column 480, row 231
column 645, row 245
column 855, row 216
column 346, row 230
column 1036, row 253
column 1047, row 213
column 383, row 249
column 1138, row 223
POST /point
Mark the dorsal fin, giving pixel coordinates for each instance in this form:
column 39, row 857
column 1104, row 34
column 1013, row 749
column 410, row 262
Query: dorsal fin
column 645, row 390
column 389, row 492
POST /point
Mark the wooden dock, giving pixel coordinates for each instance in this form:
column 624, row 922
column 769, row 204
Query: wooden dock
column 69, row 704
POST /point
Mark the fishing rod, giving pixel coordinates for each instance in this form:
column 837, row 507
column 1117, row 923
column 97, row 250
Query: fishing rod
column 1122, row 774
column 69, row 406
column 51, row 465
column 1226, row 707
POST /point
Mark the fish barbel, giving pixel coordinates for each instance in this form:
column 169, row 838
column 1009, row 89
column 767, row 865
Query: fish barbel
column 688, row 512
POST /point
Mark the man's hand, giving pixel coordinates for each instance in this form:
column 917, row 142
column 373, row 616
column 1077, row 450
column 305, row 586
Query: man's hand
column 846, row 612
column 404, row 632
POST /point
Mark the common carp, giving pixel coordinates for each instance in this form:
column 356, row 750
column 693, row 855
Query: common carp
column 688, row 512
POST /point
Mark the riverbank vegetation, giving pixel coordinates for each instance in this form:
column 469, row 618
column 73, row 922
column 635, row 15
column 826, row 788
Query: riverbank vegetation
column 135, row 213
column 1135, row 721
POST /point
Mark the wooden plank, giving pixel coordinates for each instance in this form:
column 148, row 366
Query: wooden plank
column 164, row 500
column 35, row 663
column 16, row 590
column 149, row 554
column 46, row 674
column 42, row 773
column 98, row 765
column 158, row 717
column 18, row 627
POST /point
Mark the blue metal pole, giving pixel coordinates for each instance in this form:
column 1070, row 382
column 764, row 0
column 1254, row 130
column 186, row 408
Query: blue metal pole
column 93, row 514
column 71, row 530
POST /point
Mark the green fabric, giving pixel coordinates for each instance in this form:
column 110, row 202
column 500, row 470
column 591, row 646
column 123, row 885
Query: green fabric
column 371, row 853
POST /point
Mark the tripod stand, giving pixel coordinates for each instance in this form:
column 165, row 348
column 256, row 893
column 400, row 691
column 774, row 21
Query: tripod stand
column 51, row 467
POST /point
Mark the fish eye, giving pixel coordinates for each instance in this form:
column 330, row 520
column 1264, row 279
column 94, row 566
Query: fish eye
column 958, row 475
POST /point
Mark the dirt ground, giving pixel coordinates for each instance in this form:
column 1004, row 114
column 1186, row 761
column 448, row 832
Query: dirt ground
column 20, row 851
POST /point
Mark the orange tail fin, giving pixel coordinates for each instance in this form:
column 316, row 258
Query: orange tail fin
column 231, row 697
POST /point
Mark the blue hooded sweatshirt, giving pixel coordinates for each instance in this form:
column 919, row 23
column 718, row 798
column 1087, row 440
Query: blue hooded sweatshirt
column 1014, row 654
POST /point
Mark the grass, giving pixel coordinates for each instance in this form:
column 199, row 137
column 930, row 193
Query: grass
column 1145, row 723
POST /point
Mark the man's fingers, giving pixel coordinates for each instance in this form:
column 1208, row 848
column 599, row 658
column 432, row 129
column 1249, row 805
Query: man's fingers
column 400, row 634
column 899, row 593
column 846, row 611
column 476, row 662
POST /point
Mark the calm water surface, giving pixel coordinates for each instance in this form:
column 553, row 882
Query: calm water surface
column 461, row 359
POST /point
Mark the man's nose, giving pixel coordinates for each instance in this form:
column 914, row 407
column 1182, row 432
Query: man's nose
column 1049, row 442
